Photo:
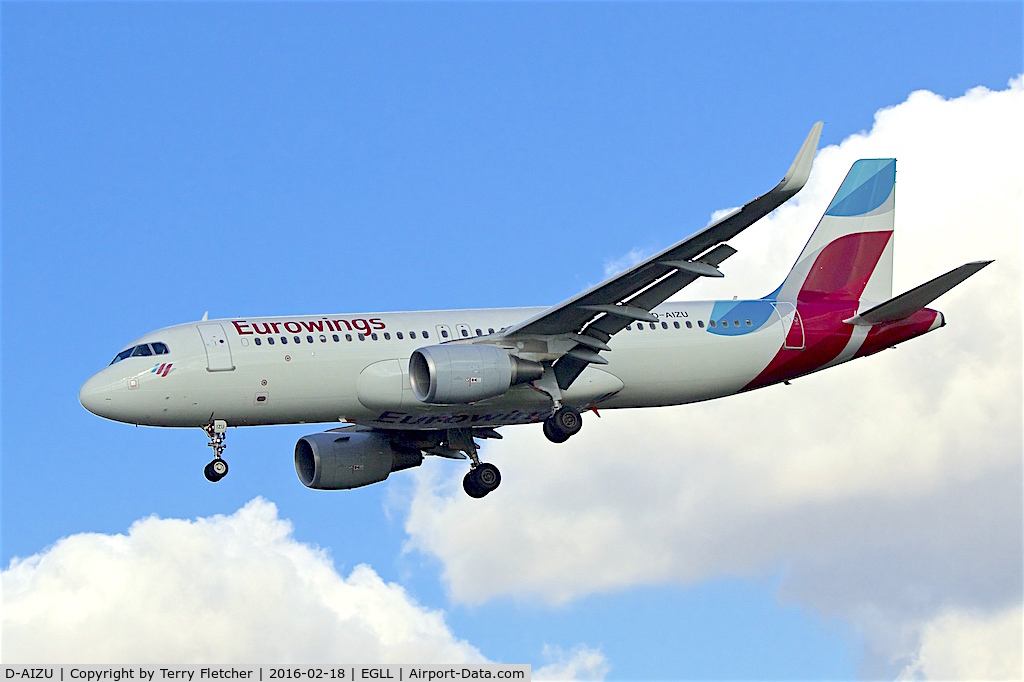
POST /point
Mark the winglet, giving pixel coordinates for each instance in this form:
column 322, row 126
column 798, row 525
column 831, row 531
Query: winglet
column 631, row 294
column 796, row 176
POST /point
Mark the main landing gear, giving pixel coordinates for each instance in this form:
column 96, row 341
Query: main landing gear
column 483, row 477
column 563, row 424
column 218, row 468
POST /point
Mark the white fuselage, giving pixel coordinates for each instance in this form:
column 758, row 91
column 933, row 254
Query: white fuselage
column 355, row 368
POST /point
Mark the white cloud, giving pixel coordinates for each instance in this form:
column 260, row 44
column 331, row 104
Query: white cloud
column 617, row 265
column 582, row 663
column 887, row 490
column 962, row 646
column 235, row 588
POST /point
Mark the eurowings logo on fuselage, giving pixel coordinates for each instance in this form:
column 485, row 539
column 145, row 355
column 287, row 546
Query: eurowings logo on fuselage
column 162, row 369
column 358, row 324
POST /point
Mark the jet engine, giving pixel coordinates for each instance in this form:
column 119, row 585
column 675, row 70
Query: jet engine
column 339, row 460
column 465, row 373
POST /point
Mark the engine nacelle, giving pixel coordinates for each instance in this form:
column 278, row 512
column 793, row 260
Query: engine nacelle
column 339, row 460
column 465, row 373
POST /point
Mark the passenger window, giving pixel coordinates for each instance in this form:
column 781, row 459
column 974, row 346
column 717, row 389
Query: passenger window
column 373, row 336
column 629, row 327
column 639, row 327
column 490, row 330
column 748, row 323
column 298, row 339
column 160, row 348
column 444, row 333
column 387, row 337
column 399, row 335
column 348, row 337
column 258, row 341
column 479, row 333
column 700, row 323
column 676, row 325
column 725, row 323
column 735, row 323
column 653, row 326
column 335, row 337
column 309, row 338
column 270, row 340
column 323, row 339
column 465, row 332
column 664, row 325
column 426, row 335
column 711, row 322
column 142, row 351
column 689, row 325
column 412, row 335
column 284, row 340
column 362, row 338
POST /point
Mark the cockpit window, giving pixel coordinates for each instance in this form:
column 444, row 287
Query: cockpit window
column 157, row 348
column 122, row 355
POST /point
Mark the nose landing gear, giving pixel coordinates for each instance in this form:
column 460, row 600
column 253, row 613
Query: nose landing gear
column 218, row 468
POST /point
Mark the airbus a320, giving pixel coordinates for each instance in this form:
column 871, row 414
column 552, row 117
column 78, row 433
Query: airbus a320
column 405, row 385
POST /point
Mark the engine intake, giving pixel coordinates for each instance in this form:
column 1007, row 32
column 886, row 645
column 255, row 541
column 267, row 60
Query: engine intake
column 336, row 460
column 464, row 373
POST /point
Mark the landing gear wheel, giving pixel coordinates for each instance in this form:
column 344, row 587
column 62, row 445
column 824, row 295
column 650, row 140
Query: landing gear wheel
column 568, row 421
column 554, row 437
column 481, row 480
column 562, row 425
column 216, row 470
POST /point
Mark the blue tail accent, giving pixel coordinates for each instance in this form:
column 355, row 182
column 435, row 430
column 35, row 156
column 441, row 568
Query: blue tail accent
column 774, row 296
column 868, row 184
column 727, row 314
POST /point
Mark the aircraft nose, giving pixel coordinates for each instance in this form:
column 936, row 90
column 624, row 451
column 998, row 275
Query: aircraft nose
column 95, row 395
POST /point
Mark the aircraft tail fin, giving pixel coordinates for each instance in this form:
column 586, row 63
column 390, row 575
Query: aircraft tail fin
column 849, row 254
column 905, row 305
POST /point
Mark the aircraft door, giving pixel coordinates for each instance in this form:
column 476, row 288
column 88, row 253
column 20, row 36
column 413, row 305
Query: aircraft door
column 793, row 324
column 218, row 351
column 444, row 333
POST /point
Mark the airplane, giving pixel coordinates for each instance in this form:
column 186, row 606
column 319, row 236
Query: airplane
column 404, row 385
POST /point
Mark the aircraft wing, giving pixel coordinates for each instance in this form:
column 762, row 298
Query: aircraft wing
column 588, row 320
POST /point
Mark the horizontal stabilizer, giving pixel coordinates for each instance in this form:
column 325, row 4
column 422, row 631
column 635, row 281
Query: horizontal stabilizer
column 905, row 305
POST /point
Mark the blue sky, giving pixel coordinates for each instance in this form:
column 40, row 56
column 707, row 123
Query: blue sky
column 163, row 160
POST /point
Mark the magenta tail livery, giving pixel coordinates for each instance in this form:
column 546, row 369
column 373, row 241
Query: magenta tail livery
column 413, row 384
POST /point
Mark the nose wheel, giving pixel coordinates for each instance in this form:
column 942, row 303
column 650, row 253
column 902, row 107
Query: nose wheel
column 218, row 468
